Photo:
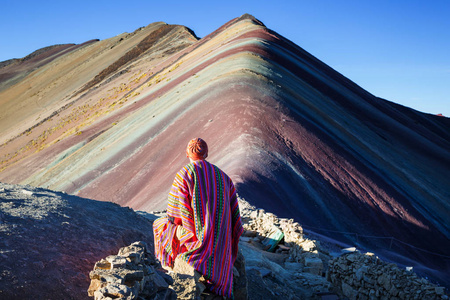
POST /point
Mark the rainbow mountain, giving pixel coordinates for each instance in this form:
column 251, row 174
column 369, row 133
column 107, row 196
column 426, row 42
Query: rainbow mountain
column 109, row 120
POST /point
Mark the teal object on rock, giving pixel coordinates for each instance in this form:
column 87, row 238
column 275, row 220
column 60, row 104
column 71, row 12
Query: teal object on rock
column 273, row 239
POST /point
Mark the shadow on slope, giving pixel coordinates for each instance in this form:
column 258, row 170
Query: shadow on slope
column 50, row 241
column 353, row 223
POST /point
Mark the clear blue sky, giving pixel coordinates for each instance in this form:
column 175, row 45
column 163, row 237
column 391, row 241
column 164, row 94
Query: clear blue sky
column 395, row 49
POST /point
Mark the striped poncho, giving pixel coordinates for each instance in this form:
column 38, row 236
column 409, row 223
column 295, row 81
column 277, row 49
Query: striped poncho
column 203, row 201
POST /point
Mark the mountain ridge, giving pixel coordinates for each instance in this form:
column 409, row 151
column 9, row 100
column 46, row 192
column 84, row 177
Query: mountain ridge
column 295, row 135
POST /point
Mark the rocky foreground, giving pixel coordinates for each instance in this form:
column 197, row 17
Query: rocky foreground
column 57, row 246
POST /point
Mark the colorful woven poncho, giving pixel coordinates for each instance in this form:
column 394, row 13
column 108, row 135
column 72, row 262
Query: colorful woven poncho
column 203, row 201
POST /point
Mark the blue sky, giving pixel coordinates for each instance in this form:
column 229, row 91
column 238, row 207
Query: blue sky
column 395, row 49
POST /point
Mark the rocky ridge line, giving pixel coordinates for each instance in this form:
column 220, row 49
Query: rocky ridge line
column 49, row 242
column 321, row 271
column 365, row 276
column 302, row 268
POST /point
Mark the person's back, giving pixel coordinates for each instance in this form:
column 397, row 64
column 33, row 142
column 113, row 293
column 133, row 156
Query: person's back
column 203, row 224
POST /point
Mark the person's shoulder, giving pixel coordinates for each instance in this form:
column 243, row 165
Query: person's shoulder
column 225, row 175
column 186, row 169
column 207, row 164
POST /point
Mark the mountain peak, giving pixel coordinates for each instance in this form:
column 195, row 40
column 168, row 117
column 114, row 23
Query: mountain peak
column 250, row 17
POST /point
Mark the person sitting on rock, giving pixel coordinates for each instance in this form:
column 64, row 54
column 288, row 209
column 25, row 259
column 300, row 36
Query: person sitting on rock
column 203, row 223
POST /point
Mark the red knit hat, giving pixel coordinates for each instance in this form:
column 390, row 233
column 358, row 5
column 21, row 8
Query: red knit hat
column 197, row 149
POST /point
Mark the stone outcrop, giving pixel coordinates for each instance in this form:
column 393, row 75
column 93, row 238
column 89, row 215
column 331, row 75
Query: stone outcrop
column 305, row 263
column 191, row 285
column 297, row 260
column 135, row 274
column 260, row 224
column 131, row 274
column 188, row 283
column 365, row 276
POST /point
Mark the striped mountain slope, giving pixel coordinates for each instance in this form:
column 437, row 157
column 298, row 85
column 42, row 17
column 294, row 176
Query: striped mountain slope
column 110, row 121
